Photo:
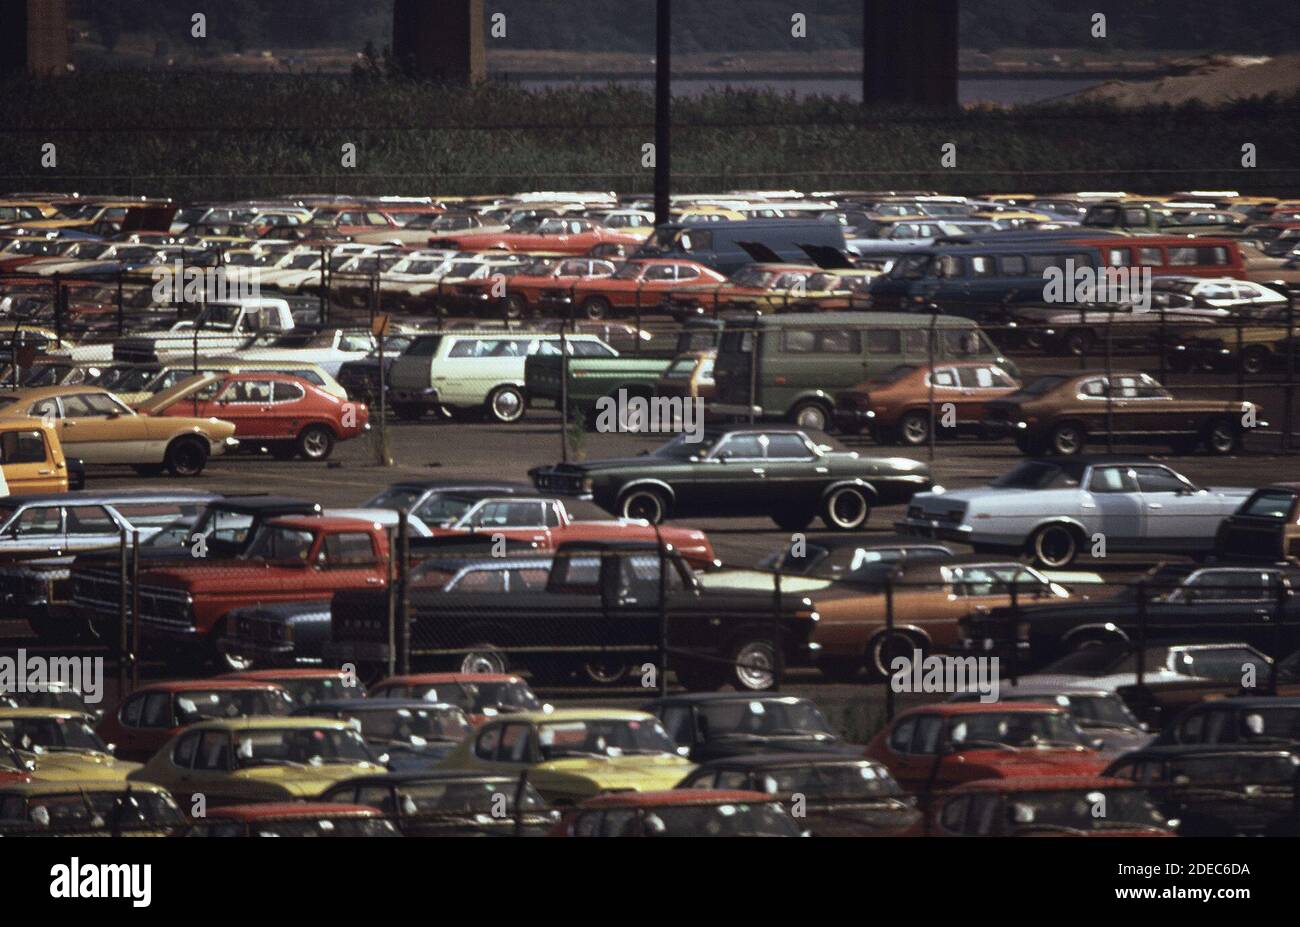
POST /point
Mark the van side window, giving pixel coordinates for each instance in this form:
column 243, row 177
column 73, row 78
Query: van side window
column 1150, row 257
column 1182, row 257
column 1117, row 257
column 884, row 341
column 981, row 266
column 820, row 341
column 950, row 266
column 1012, row 265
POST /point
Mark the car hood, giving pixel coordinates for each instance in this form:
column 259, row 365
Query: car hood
column 74, row 767
column 590, row 775
column 306, row 782
column 1003, row 764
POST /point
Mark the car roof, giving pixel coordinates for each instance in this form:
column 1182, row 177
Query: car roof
column 425, row 679
column 692, row 698
column 429, row 775
column 673, row 798
column 595, row 713
column 266, row 724
column 1044, row 784
column 1160, row 751
column 773, row 760
column 219, row 682
column 1255, row 701
column 37, row 713
column 368, row 704
column 322, row 522
column 287, row 810
column 286, row 673
column 109, row 497
column 955, row 709
column 47, row 787
column 289, row 505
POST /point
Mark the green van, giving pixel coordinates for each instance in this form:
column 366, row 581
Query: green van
column 804, row 357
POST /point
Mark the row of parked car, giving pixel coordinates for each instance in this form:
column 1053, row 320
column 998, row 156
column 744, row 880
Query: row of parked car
column 312, row 753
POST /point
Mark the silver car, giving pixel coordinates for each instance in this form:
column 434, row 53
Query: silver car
column 1056, row 508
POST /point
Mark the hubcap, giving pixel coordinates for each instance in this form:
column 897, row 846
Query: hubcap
column 889, row 650
column 812, row 417
column 605, row 672
column 314, row 443
column 1055, row 546
column 642, row 505
column 481, row 663
column 756, row 665
column 848, row 508
column 915, row 429
column 1221, row 439
column 1067, row 440
column 507, row 405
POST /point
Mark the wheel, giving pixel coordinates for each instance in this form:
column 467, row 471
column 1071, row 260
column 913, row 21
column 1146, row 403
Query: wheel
column 914, row 428
column 792, row 520
column 315, row 443
column 1254, row 360
column 506, row 404
column 283, row 450
column 1220, row 437
column 1067, row 439
column 408, row 412
column 595, row 307
column 839, row 669
column 483, row 659
column 646, row 503
column 186, row 457
column 148, row 469
column 846, row 508
column 811, row 415
column 888, row 646
column 1079, row 342
column 754, row 665
column 1054, row 546
column 515, row 306
column 605, row 672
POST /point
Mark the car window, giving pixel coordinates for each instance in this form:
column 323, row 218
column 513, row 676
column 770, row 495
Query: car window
column 1158, row 479
column 39, row 520
column 785, row 446
column 185, row 749
column 1112, row 479
column 742, row 447
column 944, row 376
column 130, row 713
column 91, row 405
column 157, row 710
column 900, row 739
column 287, row 392
column 349, row 549
column 90, row 520
column 17, row 447
column 926, row 739
column 485, row 748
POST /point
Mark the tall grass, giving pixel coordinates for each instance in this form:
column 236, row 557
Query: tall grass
column 202, row 135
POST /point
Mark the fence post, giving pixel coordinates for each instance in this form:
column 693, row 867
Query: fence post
column 60, row 306
column 934, row 334
column 889, row 634
column 123, row 642
column 1241, row 370
column 135, row 610
column 1110, row 385
column 1142, row 633
column 520, row 791
column 753, row 365
column 403, row 572
column 663, row 613
column 1014, row 649
column 564, row 394
column 121, row 314
column 392, row 605
column 1290, row 369
column 1279, row 619
column 1164, row 347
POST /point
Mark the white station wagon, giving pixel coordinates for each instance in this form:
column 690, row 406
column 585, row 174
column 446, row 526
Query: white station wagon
column 475, row 371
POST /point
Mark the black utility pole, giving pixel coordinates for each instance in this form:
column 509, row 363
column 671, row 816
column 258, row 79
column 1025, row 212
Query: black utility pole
column 663, row 108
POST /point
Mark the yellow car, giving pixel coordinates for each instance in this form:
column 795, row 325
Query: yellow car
column 99, row 428
column 575, row 753
column 258, row 759
column 60, row 745
column 88, row 809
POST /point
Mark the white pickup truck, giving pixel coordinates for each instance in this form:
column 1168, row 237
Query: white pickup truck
column 221, row 328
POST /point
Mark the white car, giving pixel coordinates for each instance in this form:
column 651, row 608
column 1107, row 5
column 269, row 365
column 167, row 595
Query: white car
column 1223, row 292
column 1055, row 509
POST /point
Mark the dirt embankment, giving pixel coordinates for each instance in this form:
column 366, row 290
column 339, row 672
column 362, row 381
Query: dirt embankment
column 1213, row 80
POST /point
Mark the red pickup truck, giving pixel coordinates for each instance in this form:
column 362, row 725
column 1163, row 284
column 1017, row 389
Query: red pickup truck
column 293, row 558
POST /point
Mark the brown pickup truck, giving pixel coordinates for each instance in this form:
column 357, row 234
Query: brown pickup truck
column 1061, row 414
column 293, row 558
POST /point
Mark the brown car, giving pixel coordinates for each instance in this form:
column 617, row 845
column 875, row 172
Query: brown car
column 928, row 598
column 896, row 407
column 1061, row 414
column 1266, row 527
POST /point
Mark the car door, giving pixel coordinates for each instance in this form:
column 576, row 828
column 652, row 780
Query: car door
column 732, row 481
column 520, row 520
column 345, row 560
column 288, row 413
column 246, row 401
column 90, row 527
column 100, row 430
column 795, row 473
column 35, row 529
column 28, row 463
column 1237, row 604
column 214, row 759
column 1112, row 506
column 178, row 772
column 979, row 385
column 1175, row 516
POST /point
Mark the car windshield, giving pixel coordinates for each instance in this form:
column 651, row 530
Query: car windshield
column 679, row 448
column 281, row 544
column 208, row 704
column 762, row 718
column 396, row 497
column 1042, row 385
column 51, row 735
column 134, row 809
column 603, row 737
column 733, row 819
column 415, row 726
column 308, row 690
column 46, row 697
column 1036, row 474
column 1078, row 809
column 299, row 746
column 1269, row 503
column 851, row 780
column 1020, row 729
column 1233, row 770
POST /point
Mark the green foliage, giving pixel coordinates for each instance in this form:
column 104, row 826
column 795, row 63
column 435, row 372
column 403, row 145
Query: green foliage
column 210, row 135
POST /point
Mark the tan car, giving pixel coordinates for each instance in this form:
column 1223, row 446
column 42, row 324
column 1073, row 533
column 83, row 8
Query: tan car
column 1266, row 527
column 928, row 597
column 97, row 427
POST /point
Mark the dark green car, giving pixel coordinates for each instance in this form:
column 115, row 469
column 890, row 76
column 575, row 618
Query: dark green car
column 743, row 470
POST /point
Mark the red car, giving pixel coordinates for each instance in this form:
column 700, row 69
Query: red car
column 678, row 813
column 1045, row 806
column 154, row 714
column 646, row 283
column 481, row 695
column 13, row 768
column 939, row 746
column 547, row 283
column 546, row 523
column 293, row 819
column 305, row 685
column 284, row 413
column 556, row 235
